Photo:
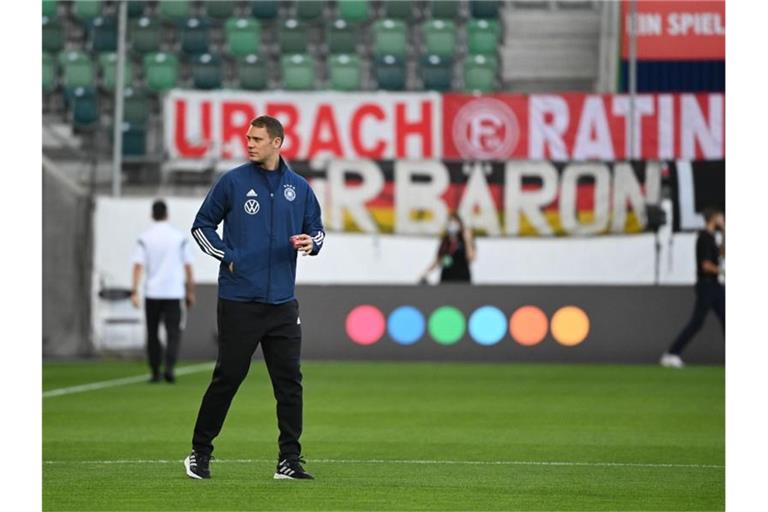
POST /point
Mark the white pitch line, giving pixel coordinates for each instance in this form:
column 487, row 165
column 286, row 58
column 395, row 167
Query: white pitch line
column 417, row 461
column 120, row 382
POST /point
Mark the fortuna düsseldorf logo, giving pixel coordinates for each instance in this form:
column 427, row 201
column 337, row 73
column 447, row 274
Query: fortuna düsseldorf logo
column 486, row 128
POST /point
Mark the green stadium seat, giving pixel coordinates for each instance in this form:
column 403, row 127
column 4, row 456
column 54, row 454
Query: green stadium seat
column 108, row 69
column 195, row 38
column 265, row 9
column 174, row 11
column 219, row 10
column 439, row 37
column 84, row 108
column 293, row 37
column 145, row 35
column 77, row 70
column 53, row 35
column 437, row 72
column 136, row 106
column 390, row 72
column 134, row 140
column 252, row 73
column 389, row 38
column 206, row 71
column 444, row 9
column 161, row 71
column 398, row 10
column 103, row 34
column 353, row 11
column 49, row 73
column 480, row 73
column 85, row 10
column 342, row 37
column 345, row 72
column 483, row 36
column 50, row 8
column 243, row 36
column 309, row 10
column 298, row 72
column 136, row 8
column 484, row 9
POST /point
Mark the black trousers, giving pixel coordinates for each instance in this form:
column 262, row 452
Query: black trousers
column 710, row 294
column 242, row 326
column 169, row 311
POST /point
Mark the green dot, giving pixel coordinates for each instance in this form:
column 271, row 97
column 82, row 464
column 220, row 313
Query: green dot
column 447, row 325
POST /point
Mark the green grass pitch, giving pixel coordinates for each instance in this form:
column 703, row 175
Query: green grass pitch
column 397, row 436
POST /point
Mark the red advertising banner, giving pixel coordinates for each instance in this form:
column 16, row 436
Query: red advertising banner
column 583, row 126
column 675, row 30
column 211, row 126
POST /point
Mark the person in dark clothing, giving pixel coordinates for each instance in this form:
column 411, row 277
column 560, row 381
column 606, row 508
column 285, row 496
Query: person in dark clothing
column 710, row 293
column 454, row 254
column 270, row 214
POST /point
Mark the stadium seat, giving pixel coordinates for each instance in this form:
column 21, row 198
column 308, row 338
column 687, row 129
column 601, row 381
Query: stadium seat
column 243, row 36
column 134, row 139
column 206, row 71
column 136, row 8
column 483, row 37
column 293, row 37
column 195, row 36
column 389, row 38
column 484, row 9
column 353, row 11
column 174, row 11
column 85, row 10
column 398, row 10
column 265, row 9
column 161, row 71
column 220, row 11
column 84, row 107
column 103, row 34
column 342, row 37
column 136, row 106
column 53, row 35
column 108, row 69
column 390, row 72
column 49, row 73
column 252, row 73
column 77, row 70
column 439, row 37
column 437, row 72
column 298, row 72
column 50, row 8
column 480, row 73
column 345, row 72
column 309, row 10
column 444, row 9
column 145, row 35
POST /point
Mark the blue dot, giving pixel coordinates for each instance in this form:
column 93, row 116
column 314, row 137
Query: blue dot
column 487, row 325
column 406, row 325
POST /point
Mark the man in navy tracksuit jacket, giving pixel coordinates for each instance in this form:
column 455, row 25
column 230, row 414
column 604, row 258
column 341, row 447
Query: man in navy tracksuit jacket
column 263, row 205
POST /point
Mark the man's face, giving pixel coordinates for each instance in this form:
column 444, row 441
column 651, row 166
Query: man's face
column 261, row 147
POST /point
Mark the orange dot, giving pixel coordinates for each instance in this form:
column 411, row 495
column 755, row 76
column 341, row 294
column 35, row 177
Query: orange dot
column 570, row 325
column 528, row 325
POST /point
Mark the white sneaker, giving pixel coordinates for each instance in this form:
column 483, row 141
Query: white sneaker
column 671, row 361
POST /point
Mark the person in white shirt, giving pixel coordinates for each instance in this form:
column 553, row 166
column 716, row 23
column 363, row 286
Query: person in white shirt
column 165, row 253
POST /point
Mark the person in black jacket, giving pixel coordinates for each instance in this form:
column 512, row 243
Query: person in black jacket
column 454, row 254
column 710, row 293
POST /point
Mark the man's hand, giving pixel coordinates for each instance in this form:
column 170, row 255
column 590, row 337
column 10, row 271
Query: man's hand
column 135, row 299
column 190, row 299
column 303, row 244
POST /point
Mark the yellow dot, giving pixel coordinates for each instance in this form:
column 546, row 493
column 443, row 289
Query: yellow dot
column 570, row 325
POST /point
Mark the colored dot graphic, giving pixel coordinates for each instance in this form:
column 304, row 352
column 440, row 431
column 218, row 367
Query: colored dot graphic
column 365, row 325
column 487, row 325
column 446, row 325
column 528, row 326
column 570, row 325
column 406, row 325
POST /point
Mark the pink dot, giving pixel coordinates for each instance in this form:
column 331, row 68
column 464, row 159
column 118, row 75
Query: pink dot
column 365, row 325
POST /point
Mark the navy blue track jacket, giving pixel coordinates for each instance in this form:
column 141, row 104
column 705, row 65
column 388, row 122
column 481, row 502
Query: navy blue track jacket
column 258, row 224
